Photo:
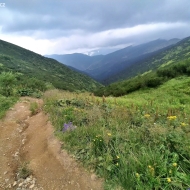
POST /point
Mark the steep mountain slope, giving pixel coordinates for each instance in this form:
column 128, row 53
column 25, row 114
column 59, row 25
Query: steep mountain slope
column 17, row 59
column 152, row 61
column 115, row 62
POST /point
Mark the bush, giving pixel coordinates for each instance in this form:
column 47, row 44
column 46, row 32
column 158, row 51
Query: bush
column 7, row 83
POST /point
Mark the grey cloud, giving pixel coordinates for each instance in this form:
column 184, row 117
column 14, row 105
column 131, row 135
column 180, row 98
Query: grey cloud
column 74, row 21
column 94, row 15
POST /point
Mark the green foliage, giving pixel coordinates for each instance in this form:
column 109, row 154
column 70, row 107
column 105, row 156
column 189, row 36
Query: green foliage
column 14, row 85
column 7, row 94
column 34, row 108
column 7, row 83
column 6, row 103
column 40, row 70
column 30, row 87
column 138, row 141
column 149, row 80
column 24, row 171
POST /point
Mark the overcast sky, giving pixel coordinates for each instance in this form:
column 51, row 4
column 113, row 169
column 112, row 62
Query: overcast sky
column 68, row 26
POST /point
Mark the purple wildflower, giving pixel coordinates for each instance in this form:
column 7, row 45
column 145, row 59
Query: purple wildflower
column 68, row 127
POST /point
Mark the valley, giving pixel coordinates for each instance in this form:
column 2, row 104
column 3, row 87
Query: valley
column 78, row 134
column 95, row 95
column 104, row 68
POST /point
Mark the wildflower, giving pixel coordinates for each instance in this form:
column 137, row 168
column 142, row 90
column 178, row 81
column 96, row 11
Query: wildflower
column 117, row 164
column 109, row 134
column 147, row 115
column 68, row 126
column 151, row 169
column 137, row 175
column 174, row 164
column 117, row 157
column 172, row 117
column 183, row 124
column 169, row 180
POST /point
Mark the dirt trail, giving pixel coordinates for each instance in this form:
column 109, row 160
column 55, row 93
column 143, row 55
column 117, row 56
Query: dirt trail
column 26, row 138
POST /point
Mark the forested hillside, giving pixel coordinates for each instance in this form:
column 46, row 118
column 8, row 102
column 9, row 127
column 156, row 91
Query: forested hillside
column 29, row 64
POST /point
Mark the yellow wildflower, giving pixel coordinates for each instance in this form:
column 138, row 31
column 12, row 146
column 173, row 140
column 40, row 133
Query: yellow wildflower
column 137, row 175
column 151, row 169
column 169, row 180
column 109, row 134
column 174, row 164
column 172, row 117
column 147, row 115
column 183, row 124
column 116, row 164
column 118, row 157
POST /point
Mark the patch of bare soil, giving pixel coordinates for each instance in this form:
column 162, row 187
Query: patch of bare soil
column 29, row 139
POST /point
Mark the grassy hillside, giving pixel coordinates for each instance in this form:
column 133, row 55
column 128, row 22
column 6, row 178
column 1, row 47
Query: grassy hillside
column 138, row 141
column 16, row 59
column 175, row 53
column 150, row 79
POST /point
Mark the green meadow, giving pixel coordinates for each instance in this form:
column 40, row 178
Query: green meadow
column 137, row 141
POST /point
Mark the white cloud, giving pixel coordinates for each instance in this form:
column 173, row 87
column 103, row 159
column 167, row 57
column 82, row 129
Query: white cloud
column 82, row 42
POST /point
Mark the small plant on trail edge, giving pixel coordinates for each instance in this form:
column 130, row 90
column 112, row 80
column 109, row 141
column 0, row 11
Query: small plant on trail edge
column 34, row 108
column 24, row 171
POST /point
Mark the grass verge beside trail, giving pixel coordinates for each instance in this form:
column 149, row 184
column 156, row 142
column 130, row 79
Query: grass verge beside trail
column 139, row 141
column 6, row 103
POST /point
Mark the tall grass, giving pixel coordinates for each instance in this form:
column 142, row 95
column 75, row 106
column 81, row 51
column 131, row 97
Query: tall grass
column 138, row 141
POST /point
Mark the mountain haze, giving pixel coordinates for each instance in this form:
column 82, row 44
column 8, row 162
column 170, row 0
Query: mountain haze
column 101, row 67
column 77, row 60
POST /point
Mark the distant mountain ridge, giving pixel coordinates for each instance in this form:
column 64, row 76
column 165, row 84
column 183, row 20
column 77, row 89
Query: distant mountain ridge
column 76, row 60
column 101, row 67
column 165, row 56
column 16, row 59
column 151, row 71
